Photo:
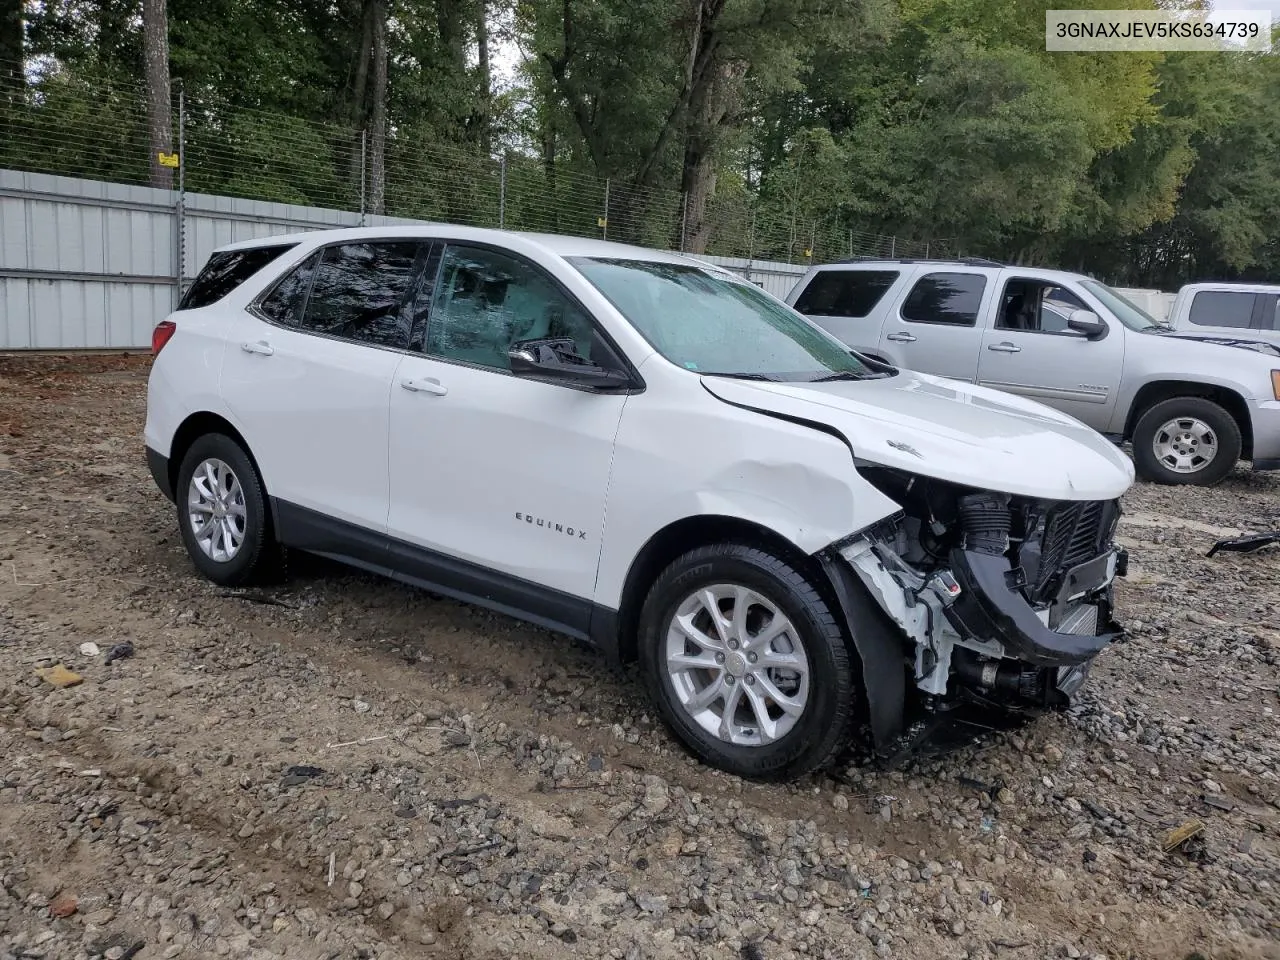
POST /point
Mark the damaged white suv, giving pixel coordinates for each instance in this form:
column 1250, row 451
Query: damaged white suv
column 646, row 453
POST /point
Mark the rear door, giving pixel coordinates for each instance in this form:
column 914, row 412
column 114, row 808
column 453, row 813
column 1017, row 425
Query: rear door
column 848, row 303
column 308, row 372
column 936, row 324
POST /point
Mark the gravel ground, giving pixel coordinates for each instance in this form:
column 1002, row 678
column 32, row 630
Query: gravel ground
column 346, row 768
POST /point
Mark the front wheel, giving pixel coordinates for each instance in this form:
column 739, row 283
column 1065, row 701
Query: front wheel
column 1186, row 440
column 747, row 664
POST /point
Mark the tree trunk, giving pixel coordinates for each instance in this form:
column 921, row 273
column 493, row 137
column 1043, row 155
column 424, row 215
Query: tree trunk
column 155, row 40
column 12, row 74
column 712, row 106
column 359, row 108
column 484, row 111
column 378, row 112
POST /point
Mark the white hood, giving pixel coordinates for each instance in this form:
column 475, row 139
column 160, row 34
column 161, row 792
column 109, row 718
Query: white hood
column 953, row 431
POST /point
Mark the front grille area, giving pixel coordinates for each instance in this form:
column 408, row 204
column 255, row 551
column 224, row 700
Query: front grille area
column 1074, row 532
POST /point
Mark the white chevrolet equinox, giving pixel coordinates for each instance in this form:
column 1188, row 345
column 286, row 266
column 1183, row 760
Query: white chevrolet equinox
column 645, row 452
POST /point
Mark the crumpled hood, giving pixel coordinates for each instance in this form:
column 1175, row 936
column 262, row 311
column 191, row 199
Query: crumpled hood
column 952, row 431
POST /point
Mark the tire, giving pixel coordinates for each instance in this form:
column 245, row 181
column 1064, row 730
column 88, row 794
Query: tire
column 1159, row 440
column 781, row 745
column 256, row 557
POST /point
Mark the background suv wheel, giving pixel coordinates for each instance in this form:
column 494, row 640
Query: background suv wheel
column 1186, row 440
column 222, row 512
column 746, row 662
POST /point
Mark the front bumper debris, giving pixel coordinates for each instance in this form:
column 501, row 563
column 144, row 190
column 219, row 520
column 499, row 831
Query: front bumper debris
column 976, row 633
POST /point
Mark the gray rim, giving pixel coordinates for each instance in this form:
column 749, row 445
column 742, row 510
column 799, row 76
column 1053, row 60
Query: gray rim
column 216, row 510
column 737, row 665
column 1185, row 445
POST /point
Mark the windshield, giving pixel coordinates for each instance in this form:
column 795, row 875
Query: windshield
column 1130, row 314
column 718, row 325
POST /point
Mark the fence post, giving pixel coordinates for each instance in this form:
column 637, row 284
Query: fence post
column 850, row 244
column 364, row 142
column 180, row 205
column 502, row 191
column 893, row 246
column 813, row 239
column 751, row 243
column 926, row 249
column 604, row 223
column 684, row 221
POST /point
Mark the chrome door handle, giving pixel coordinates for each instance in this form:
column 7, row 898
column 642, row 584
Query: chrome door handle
column 901, row 338
column 428, row 385
column 1004, row 348
column 258, row 346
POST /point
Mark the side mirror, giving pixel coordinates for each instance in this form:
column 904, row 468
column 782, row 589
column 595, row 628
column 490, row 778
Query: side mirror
column 1086, row 322
column 557, row 360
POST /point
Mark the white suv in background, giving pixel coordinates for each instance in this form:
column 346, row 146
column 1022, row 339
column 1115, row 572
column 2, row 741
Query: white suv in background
column 1245, row 311
column 647, row 453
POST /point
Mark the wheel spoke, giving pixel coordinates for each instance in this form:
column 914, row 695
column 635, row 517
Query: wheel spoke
column 782, row 661
column 200, row 506
column 765, row 723
column 685, row 625
column 789, row 705
column 706, row 696
column 732, row 697
column 711, row 603
column 680, row 662
column 774, row 629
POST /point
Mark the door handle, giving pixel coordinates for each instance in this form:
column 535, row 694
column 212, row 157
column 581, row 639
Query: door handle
column 427, row 385
column 258, row 346
column 901, row 338
column 1004, row 348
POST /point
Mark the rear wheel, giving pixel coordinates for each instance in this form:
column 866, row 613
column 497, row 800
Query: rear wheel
column 222, row 512
column 1186, row 440
column 747, row 664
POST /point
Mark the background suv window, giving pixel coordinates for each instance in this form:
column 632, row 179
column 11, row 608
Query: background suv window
column 951, row 298
column 486, row 301
column 360, row 292
column 227, row 270
column 844, row 293
column 1222, row 308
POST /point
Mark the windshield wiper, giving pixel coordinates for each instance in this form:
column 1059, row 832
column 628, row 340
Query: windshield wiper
column 739, row 376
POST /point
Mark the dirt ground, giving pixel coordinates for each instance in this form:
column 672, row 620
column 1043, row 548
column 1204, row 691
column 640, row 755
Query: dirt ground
column 343, row 767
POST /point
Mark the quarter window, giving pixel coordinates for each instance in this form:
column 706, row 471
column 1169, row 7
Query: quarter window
column 360, row 292
column 227, row 270
column 948, row 298
column 284, row 305
column 845, row 293
column 1222, row 308
column 486, row 301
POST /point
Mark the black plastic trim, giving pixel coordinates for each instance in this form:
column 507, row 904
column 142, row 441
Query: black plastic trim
column 158, row 464
column 875, row 637
column 1268, row 463
column 991, row 607
column 314, row 532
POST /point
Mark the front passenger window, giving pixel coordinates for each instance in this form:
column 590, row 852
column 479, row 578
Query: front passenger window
column 486, row 301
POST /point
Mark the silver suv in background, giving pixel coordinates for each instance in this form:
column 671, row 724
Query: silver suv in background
column 1192, row 409
column 1244, row 312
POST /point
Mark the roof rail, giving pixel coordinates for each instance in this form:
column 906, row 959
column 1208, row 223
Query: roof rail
column 967, row 261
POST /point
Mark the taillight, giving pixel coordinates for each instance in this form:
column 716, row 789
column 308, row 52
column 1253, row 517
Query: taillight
column 164, row 330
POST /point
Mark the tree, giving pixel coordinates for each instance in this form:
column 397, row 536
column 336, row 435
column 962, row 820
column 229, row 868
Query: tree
column 155, row 29
column 12, row 52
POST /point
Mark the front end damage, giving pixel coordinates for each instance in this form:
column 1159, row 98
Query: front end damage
column 998, row 600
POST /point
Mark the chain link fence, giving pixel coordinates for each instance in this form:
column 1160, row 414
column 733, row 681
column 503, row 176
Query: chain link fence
column 97, row 129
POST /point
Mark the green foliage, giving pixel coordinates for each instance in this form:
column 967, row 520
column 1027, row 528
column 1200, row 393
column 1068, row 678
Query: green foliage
column 790, row 129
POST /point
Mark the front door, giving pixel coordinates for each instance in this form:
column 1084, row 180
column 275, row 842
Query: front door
column 1032, row 352
column 495, row 477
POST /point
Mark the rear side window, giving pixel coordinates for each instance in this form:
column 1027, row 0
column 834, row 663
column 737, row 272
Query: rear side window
column 227, row 270
column 950, row 298
column 360, row 292
column 844, row 293
column 1222, row 308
